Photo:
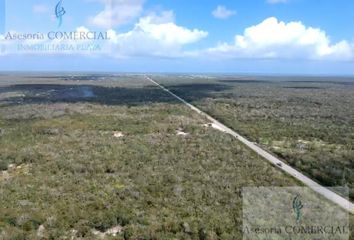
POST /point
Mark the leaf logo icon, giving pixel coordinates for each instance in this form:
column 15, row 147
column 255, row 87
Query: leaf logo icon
column 297, row 207
column 59, row 12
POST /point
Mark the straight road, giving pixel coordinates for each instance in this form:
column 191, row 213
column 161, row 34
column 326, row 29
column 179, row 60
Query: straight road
column 332, row 196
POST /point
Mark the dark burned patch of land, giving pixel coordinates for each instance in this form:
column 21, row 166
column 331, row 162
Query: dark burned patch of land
column 246, row 81
column 304, row 87
column 53, row 93
column 339, row 82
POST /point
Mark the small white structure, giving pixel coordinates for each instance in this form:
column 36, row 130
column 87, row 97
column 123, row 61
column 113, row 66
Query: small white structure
column 118, row 134
column 181, row 133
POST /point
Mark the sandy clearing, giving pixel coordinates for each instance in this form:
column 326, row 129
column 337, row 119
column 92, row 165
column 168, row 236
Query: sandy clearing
column 114, row 231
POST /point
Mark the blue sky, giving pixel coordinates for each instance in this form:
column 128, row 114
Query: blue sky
column 234, row 36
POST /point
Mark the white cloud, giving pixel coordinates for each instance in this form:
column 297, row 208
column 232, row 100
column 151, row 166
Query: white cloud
column 276, row 1
column 221, row 12
column 156, row 35
column 159, row 35
column 40, row 8
column 117, row 12
column 276, row 39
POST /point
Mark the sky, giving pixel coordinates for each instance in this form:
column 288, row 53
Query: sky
column 211, row 36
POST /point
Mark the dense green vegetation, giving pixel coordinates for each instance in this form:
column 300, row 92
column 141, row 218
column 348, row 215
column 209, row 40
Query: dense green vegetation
column 64, row 174
column 307, row 121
